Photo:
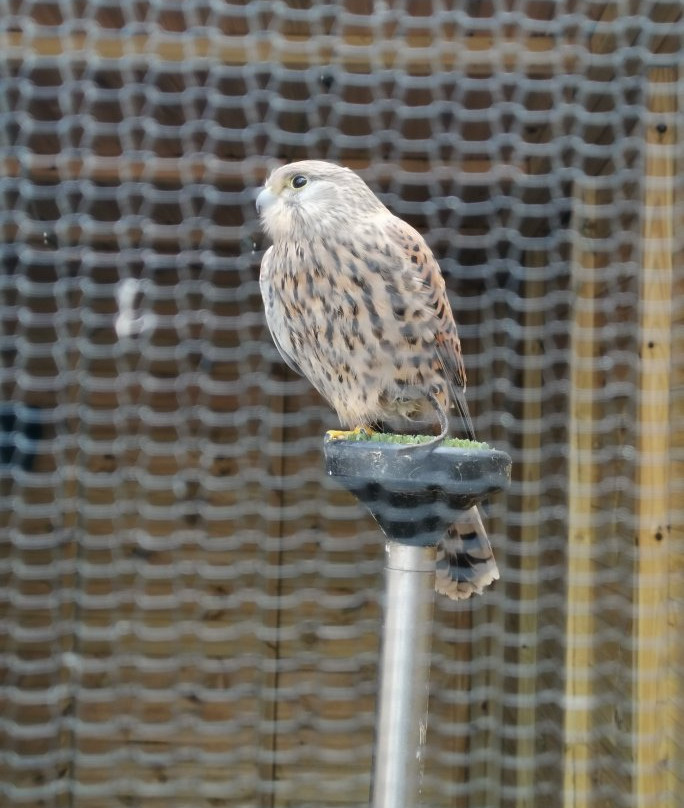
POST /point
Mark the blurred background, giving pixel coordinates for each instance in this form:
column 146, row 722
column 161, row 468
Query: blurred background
column 189, row 608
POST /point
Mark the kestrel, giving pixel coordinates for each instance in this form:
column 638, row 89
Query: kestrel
column 356, row 303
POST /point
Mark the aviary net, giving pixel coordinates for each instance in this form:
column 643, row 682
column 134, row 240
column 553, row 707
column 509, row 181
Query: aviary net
column 189, row 608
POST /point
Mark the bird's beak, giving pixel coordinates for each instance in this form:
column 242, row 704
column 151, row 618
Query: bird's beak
column 265, row 199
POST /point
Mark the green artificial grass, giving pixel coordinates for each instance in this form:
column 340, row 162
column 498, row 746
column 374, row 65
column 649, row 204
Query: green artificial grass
column 388, row 437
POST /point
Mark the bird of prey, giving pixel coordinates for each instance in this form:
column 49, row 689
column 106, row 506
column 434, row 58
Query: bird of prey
column 355, row 302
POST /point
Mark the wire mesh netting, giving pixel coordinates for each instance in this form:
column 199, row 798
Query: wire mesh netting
column 189, row 609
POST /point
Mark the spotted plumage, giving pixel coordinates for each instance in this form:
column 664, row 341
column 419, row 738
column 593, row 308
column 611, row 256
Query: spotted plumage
column 356, row 302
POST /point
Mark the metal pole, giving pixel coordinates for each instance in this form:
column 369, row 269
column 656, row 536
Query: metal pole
column 404, row 675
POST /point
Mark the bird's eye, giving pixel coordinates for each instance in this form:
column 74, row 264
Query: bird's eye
column 298, row 181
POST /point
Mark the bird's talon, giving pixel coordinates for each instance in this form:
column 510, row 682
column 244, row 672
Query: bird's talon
column 360, row 432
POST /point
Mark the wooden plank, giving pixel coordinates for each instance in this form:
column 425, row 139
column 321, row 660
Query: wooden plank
column 311, row 639
column 452, row 707
column 614, row 744
column 226, row 227
column 603, row 39
column 524, row 623
column 658, row 591
column 584, row 476
column 675, row 709
column 361, row 52
column 46, row 168
column 598, row 678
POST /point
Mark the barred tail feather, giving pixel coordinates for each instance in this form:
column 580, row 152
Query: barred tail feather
column 465, row 561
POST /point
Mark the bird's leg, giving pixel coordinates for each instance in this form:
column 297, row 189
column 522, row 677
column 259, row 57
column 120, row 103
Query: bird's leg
column 361, row 432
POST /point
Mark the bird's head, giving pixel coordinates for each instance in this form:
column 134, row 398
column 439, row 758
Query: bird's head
column 315, row 196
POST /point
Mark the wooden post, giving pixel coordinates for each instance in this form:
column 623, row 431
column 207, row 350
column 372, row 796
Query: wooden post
column 675, row 615
column 583, row 535
column 656, row 684
column 524, row 621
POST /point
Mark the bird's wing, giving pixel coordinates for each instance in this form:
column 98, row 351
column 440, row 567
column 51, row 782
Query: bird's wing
column 271, row 319
column 413, row 251
column 449, row 353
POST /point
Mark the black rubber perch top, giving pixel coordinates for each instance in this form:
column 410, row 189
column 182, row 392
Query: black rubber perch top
column 415, row 495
